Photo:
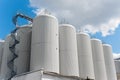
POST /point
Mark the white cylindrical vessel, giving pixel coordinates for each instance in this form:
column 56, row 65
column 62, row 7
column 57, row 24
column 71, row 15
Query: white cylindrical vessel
column 68, row 50
column 98, row 60
column 7, row 55
column 109, row 62
column 1, row 53
column 23, row 48
column 45, row 48
column 117, row 66
column 86, row 69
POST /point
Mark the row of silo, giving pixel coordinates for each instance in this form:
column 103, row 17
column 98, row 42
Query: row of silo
column 44, row 50
column 56, row 49
column 77, row 55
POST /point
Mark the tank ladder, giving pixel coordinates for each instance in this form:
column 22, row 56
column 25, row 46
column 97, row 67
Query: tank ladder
column 10, row 63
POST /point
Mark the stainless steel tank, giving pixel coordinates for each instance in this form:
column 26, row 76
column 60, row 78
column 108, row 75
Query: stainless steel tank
column 7, row 55
column 23, row 48
column 117, row 66
column 109, row 62
column 68, row 50
column 86, row 69
column 98, row 60
column 1, row 53
column 45, row 48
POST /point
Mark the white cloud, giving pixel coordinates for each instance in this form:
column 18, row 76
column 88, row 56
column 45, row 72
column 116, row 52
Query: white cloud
column 93, row 15
column 116, row 55
column 105, row 28
column 1, row 40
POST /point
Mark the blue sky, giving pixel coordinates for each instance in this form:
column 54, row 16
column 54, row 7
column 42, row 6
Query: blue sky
column 111, row 39
column 8, row 8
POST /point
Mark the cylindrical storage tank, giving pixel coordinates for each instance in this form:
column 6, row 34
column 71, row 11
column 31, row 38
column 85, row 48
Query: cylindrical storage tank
column 68, row 50
column 45, row 48
column 109, row 62
column 7, row 55
column 23, row 48
column 1, row 53
column 117, row 66
column 86, row 69
column 98, row 60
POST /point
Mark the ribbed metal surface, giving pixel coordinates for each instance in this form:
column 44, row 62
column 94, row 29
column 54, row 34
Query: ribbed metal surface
column 7, row 55
column 109, row 62
column 45, row 48
column 1, row 53
column 22, row 62
column 68, row 50
column 98, row 60
column 117, row 66
column 85, row 59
